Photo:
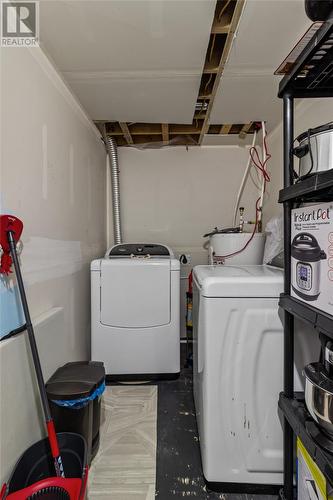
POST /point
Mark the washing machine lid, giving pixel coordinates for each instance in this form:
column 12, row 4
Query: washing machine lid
column 238, row 281
column 135, row 293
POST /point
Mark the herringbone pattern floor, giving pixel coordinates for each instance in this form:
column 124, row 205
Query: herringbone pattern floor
column 125, row 465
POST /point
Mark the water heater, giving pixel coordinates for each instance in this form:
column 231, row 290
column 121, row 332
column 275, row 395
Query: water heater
column 230, row 244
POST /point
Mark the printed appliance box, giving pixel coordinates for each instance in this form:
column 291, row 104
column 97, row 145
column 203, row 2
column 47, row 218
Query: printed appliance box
column 312, row 255
column 311, row 483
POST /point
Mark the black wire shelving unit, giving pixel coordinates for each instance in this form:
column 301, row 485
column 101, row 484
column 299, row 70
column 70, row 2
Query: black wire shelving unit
column 311, row 76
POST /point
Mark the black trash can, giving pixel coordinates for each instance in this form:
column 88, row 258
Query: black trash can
column 74, row 392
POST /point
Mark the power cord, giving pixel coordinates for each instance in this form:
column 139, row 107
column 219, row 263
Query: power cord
column 300, row 154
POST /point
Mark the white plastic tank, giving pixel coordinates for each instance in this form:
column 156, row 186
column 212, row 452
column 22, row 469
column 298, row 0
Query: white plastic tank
column 224, row 244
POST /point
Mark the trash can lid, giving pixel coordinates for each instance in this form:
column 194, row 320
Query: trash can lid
column 75, row 380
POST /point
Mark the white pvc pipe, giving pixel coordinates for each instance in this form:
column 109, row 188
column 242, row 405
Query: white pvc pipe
column 245, row 176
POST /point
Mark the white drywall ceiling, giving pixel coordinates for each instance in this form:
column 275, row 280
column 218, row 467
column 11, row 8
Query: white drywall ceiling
column 267, row 32
column 130, row 60
column 247, row 98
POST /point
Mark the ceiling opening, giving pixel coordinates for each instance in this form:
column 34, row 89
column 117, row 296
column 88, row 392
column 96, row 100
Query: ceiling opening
column 226, row 18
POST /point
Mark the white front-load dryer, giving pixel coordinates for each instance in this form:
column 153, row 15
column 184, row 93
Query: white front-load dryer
column 135, row 311
column 238, row 375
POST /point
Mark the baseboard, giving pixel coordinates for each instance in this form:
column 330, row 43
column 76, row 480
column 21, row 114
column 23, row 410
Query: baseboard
column 140, row 377
column 251, row 488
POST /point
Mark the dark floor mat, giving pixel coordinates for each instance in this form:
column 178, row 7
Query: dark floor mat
column 179, row 471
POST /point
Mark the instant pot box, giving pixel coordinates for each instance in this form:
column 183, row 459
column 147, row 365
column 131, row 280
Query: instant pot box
column 312, row 255
column 311, row 483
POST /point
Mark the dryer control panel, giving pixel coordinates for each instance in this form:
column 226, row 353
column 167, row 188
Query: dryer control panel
column 138, row 250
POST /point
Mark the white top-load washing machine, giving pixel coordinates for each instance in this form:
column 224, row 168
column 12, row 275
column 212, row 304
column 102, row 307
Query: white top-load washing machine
column 237, row 364
column 135, row 311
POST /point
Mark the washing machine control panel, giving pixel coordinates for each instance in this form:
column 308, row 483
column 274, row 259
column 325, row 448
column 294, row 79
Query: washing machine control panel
column 138, row 250
column 304, row 276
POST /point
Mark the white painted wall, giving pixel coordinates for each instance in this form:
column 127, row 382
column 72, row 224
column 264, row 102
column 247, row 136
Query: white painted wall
column 53, row 178
column 309, row 113
column 174, row 196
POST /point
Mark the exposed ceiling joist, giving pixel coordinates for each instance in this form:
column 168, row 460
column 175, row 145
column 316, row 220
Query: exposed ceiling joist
column 225, row 22
column 245, row 130
column 225, row 129
column 126, row 132
column 236, row 14
column 165, row 133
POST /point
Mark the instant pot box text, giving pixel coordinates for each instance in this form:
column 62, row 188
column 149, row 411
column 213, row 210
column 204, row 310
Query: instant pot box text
column 311, row 483
column 312, row 255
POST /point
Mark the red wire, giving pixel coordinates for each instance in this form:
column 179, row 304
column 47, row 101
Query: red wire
column 268, row 157
column 261, row 166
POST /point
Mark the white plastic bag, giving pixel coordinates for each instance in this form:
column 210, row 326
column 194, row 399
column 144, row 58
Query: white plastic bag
column 274, row 238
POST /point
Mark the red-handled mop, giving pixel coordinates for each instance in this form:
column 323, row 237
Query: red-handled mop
column 11, row 229
column 33, row 476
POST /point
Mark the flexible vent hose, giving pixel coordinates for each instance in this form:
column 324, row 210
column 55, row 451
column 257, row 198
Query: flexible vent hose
column 111, row 147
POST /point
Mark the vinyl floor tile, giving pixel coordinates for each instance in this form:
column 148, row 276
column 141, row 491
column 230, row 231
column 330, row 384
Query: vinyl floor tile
column 125, row 465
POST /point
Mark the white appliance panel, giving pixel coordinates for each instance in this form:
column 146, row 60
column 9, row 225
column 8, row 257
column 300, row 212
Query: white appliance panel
column 136, row 350
column 240, row 432
column 135, row 293
column 238, row 371
column 257, row 384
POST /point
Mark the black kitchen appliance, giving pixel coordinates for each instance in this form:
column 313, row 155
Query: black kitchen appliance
column 314, row 150
column 319, row 10
column 319, row 395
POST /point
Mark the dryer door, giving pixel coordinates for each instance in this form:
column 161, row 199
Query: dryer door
column 135, row 293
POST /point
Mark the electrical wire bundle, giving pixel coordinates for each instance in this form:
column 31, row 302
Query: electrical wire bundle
column 261, row 165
